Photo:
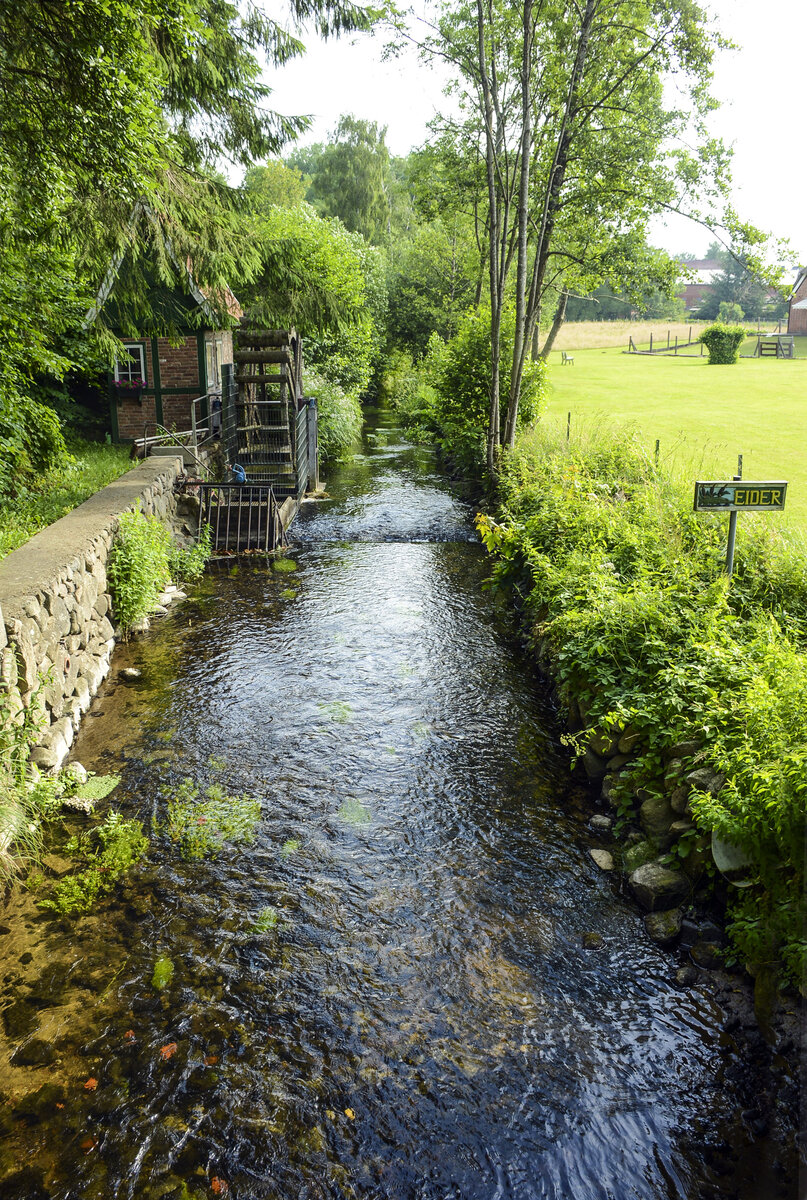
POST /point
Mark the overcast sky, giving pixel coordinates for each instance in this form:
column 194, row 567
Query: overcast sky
column 761, row 87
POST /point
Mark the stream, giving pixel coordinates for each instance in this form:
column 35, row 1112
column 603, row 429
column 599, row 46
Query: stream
column 414, row 983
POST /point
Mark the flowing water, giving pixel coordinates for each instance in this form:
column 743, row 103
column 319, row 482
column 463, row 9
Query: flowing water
column 414, row 982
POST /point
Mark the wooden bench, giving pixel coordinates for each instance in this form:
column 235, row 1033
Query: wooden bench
column 566, row 359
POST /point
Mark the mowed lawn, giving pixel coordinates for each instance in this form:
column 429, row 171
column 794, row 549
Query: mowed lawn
column 703, row 416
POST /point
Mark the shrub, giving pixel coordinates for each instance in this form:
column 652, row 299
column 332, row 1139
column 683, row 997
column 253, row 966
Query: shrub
column 139, row 566
column 339, row 416
column 186, row 564
column 449, row 391
column 142, row 560
column 723, row 342
column 31, row 442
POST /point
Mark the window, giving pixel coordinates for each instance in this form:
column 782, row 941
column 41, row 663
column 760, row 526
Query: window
column 130, row 367
column 214, row 348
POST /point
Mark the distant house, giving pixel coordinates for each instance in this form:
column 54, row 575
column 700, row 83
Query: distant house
column 797, row 309
column 704, row 270
column 157, row 378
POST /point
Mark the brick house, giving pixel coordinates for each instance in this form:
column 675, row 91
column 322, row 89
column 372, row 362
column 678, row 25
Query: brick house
column 797, row 309
column 696, row 290
column 157, row 378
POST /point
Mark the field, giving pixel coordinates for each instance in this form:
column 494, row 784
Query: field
column 597, row 335
column 703, row 416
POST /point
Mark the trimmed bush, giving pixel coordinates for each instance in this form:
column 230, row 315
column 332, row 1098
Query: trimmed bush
column 723, row 343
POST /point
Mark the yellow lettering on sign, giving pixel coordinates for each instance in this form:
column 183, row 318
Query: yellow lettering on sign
column 776, row 494
column 765, row 496
column 739, row 496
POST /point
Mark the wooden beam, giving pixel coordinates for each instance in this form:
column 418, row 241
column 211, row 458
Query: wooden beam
column 260, row 378
column 262, row 356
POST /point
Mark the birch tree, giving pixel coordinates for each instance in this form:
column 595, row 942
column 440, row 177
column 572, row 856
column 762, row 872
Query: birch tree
column 590, row 115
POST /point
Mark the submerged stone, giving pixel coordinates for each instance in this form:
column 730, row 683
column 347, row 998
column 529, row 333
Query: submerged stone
column 36, row 1053
column 19, row 1020
column 40, row 1104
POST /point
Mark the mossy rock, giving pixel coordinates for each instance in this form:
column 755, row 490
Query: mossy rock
column 636, row 856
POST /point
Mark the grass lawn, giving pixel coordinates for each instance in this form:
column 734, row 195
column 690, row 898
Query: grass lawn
column 60, row 491
column 704, row 416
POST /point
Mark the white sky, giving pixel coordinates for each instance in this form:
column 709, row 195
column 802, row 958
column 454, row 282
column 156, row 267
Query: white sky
column 761, row 86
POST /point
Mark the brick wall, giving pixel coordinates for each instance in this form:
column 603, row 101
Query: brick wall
column 179, row 368
column 179, row 365
column 797, row 318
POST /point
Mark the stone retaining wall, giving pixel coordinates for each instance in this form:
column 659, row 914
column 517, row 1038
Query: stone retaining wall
column 56, row 610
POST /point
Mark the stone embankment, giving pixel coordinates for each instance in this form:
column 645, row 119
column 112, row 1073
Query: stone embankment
column 663, row 855
column 56, row 620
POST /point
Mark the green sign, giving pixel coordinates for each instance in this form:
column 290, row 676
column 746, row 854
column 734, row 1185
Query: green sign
column 733, row 495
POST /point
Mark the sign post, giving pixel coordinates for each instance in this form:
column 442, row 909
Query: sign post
column 735, row 496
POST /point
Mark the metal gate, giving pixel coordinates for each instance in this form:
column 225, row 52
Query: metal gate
column 241, row 516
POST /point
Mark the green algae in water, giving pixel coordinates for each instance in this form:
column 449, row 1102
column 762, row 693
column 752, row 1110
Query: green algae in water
column 202, row 825
column 337, row 710
column 98, row 787
column 421, row 730
column 267, row 920
column 163, row 973
column 405, row 670
column 217, row 764
column 289, row 847
column 166, row 735
column 288, row 593
column 284, row 565
column 354, row 812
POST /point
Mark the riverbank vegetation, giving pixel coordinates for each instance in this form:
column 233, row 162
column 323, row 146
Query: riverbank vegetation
column 623, row 594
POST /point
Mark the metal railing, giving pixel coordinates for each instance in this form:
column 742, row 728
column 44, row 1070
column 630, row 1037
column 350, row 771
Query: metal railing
column 241, row 517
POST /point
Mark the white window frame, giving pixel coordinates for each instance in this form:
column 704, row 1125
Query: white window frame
column 214, row 348
column 134, row 349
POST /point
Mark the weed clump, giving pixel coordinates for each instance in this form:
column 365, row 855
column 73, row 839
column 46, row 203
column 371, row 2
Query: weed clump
column 201, row 825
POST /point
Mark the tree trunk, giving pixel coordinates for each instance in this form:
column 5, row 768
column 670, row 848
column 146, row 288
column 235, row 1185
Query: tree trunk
column 560, row 317
column 520, row 338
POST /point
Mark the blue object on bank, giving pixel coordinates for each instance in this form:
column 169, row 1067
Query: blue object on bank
column 239, row 474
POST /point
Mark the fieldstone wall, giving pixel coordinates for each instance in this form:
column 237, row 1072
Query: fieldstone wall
column 659, row 816
column 56, row 610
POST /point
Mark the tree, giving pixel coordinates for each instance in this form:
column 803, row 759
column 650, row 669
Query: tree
column 112, row 114
column 275, row 183
column 352, row 178
column 566, row 104
column 736, row 285
column 432, row 276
